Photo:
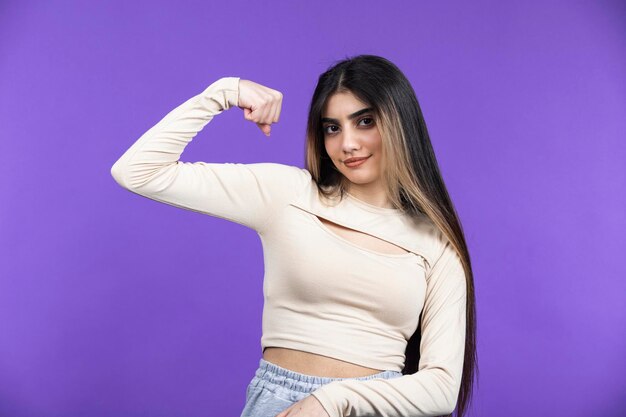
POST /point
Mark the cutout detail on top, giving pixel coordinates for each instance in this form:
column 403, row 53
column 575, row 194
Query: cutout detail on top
column 362, row 239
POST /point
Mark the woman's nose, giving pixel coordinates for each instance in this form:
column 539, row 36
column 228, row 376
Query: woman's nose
column 350, row 140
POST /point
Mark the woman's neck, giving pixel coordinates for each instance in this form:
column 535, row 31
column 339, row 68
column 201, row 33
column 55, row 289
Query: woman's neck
column 370, row 193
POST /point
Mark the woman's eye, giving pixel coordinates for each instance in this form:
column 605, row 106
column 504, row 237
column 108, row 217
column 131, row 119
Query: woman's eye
column 327, row 127
column 371, row 120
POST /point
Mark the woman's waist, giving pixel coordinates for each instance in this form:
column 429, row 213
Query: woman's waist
column 314, row 364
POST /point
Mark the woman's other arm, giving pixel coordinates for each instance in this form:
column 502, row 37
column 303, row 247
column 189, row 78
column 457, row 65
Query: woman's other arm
column 247, row 194
column 434, row 389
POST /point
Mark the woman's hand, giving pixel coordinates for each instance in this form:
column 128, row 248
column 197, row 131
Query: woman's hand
column 260, row 104
column 309, row 406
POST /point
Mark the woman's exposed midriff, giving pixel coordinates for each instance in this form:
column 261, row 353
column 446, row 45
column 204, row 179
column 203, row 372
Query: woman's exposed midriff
column 313, row 364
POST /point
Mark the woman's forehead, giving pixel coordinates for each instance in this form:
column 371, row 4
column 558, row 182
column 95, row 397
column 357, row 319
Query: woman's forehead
column 342, row 105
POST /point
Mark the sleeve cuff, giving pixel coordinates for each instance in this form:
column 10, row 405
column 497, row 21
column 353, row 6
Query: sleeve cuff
column 231, row 89
column 326, row 402
column 224, row 92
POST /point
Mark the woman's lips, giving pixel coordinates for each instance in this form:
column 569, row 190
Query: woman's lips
column 356, row 163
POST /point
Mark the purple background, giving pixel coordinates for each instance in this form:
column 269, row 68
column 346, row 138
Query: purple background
column 113, row 304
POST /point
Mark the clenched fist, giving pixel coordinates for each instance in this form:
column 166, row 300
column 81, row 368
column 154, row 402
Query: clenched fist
column 260, row 104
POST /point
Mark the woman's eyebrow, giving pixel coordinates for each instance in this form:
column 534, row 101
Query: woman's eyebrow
column 351, row 116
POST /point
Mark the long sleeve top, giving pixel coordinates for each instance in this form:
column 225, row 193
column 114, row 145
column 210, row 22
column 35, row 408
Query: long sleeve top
column 322, row 292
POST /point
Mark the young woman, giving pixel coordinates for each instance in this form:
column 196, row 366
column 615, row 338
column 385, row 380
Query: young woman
column 368, row 287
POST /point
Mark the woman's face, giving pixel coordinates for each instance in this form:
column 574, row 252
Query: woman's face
column 350, row 131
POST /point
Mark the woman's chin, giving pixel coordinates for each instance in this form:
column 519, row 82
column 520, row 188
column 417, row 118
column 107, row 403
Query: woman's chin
column 360, row 178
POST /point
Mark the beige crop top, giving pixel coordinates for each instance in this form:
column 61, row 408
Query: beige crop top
column 322, row 293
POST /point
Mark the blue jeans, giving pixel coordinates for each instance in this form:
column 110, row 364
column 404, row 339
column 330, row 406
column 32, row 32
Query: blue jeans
column 273, row 388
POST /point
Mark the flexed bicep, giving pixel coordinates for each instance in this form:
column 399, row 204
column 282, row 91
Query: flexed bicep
column 244, row 193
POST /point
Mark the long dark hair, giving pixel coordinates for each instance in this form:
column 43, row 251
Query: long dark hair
column 412, row 177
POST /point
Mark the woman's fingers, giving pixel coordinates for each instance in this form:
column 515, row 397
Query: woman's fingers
column 275, row 113
column 265, row 128
column 277, row 108
column 272, row 118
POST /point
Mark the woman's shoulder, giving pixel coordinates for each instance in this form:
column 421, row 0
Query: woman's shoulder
column 277, row 178
column 281, row 173
column 285, row 169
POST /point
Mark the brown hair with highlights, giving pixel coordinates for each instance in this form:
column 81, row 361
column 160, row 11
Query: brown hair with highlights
column 411, row 173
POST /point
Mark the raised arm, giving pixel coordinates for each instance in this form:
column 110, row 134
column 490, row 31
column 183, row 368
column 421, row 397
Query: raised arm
column 247, row 194
column 434, row 389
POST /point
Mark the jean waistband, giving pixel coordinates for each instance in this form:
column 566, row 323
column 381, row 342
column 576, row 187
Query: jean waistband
column 275, row 374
